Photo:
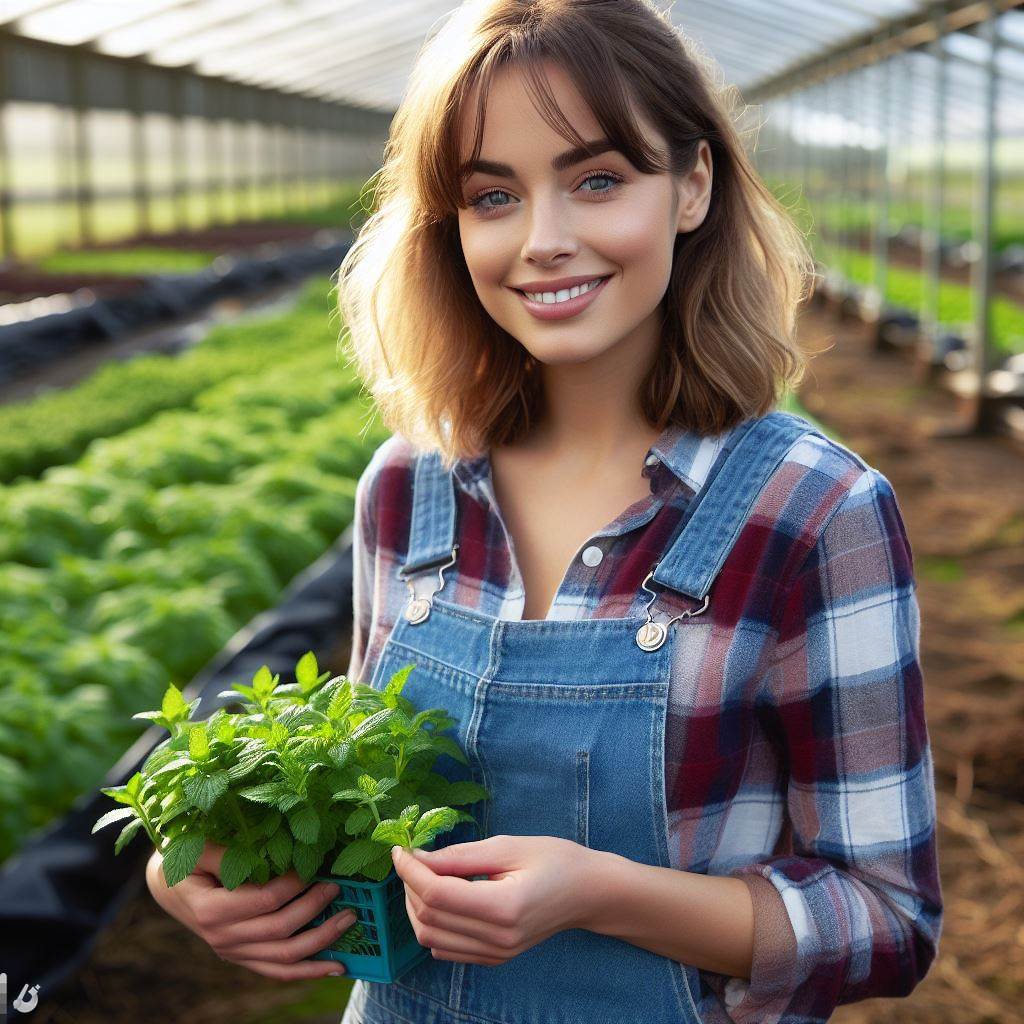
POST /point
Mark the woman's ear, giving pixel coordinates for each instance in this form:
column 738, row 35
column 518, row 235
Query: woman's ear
column 695, row 191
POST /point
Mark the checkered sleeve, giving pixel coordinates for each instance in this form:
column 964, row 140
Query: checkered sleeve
column 844, row 699
column 364, row 532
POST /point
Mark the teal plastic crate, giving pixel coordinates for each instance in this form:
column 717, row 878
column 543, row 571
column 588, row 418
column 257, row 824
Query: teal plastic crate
column 381, row 945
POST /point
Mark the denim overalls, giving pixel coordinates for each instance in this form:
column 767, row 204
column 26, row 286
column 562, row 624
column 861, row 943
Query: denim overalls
column 564, row 723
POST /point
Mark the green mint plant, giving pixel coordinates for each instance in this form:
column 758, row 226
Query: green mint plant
column 319, row 773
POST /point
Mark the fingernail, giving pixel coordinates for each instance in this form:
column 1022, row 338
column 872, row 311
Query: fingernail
column 335, row 974
column 330, row 889
column 394, row 851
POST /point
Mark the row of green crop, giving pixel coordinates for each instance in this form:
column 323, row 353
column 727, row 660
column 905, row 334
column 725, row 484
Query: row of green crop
column 904, row 289
column 858, row 214
column 135, row 565
column 56, row 428
column 344, row 211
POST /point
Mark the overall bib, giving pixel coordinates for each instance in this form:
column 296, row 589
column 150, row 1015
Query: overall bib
column 564, row 723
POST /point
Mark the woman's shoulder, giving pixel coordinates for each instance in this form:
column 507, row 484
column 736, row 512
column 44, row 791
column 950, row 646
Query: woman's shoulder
column 822, row 484
column 818, row 465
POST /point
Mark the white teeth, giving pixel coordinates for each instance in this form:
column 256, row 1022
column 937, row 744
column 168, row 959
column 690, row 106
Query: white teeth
column 566, row 293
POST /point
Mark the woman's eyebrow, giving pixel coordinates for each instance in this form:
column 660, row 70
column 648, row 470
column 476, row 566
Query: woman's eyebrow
column 559, row 163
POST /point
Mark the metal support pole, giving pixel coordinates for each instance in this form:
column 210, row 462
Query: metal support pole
column 6, row 198
column 212, row 182
column 179, row 182
column 140, row 162
column 983, row 349
column 936, row 194
column 83, row 176
column 886, row 107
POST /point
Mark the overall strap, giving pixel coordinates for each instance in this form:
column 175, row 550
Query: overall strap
column 714, row 518
column 432, row 531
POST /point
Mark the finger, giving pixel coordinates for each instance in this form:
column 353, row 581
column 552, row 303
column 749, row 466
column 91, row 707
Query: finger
column 210, row 859
column 225, row 906
column 279, row 924
column 431, row 918
column 298, row 947
column 294, row 972
column 456, row 942
column 492, row 857
column 481, row 900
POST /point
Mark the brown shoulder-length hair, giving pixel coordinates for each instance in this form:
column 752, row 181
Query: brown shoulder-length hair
column 440, row 370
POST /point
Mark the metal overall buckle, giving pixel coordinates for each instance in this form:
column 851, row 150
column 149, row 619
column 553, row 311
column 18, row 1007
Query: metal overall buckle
column 651, row 635
column 418, row 608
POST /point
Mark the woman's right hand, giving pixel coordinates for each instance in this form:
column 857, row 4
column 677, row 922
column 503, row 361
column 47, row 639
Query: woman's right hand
column 253, row 924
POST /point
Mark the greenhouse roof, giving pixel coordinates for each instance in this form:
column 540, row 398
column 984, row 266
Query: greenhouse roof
column 351, row 51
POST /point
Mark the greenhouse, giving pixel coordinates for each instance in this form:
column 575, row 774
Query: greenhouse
column 195, row 400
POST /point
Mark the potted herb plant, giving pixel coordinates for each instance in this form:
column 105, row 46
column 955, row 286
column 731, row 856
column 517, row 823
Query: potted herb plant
column 323, row 775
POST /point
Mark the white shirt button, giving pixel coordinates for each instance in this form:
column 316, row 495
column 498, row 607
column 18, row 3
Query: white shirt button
column 651, row 459
column 592, row 555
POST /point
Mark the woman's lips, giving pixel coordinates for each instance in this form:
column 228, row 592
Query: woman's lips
column 561, row 310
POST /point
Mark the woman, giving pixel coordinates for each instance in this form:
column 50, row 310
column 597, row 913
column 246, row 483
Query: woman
column 677, row 628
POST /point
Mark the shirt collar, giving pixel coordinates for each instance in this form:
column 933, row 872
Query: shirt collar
column 686, row 454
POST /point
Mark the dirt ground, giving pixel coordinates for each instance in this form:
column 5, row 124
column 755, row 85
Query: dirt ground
column 963, row 504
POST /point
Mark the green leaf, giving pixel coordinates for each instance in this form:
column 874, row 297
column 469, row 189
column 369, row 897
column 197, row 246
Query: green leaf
column 118, row 814
column 396, row 683
column 354, row 856
column 465, row 792
column 261, row 871
column 173, row 810
column 348, row 795
column 174, row 707
column 446, row 745
column 265, row 793
column 433, row 822
column 357, row 821
column 380, row 867
column 170, row 766
column 237, row 863
column 391, row 832
column 198, row 743
column 249, row 761
column 410, row 814
column 127, row 834
column 305, row 824
column 181, row 857
column 375, row 721
column 118, row 793
column 279, row 849
column 205, row 790
column 306, row 672
column 307, row 860
column 263, row 683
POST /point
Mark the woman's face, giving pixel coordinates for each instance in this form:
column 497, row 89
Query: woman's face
column 534, row 223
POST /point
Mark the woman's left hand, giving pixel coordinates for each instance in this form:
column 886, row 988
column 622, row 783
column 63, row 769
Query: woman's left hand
column 533, row 890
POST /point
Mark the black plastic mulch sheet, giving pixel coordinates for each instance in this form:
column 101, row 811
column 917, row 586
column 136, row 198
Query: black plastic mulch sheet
column 29, row 344
column 64, row 885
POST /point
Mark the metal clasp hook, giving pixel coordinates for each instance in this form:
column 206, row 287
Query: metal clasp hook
column 418, row 608
column 651, row 635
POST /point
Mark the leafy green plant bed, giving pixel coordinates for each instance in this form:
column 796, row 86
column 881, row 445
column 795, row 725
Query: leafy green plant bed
column 131, row 262
column 55, row 429
column 321, row 776
column 136, row 565
column 905, row 289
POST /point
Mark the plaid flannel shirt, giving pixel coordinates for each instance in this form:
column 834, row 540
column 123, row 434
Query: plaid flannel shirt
column 797, row 756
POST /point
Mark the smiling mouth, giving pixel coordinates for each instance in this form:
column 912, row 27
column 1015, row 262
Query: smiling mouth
column 595, row 281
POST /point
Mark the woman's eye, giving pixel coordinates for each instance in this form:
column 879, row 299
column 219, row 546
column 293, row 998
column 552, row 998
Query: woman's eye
column 478, row 204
